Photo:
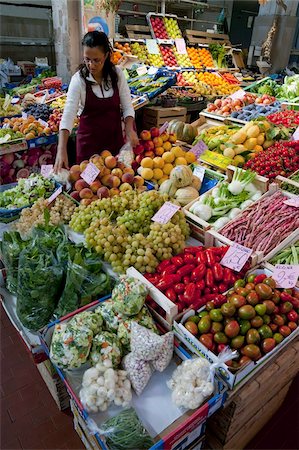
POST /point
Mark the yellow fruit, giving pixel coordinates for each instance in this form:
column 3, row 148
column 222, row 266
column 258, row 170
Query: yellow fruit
column 164, row 136
column 168, row 157
column 266, row 125
column 167, row 168
column 158, row 162
column 250, row 143
column 238, row 161
column 162, row 180
column 258, row 148
column 167, row 146
column 159, row 151
column 239, row 137
column 177, row 151
column 147, row 173
column 229, row 152
column 260, row 139
column 158, row 174
column 180, row 161
column 253, row 131
column 147, row 163
column 190, row 157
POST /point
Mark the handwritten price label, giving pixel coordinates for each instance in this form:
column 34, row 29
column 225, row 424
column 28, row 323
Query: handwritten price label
column 215, row 159
column 90, row 173
column 236, row 257
column 295, row 136
column 294, row 201
column 165, row 213
column 54, row 195
column 199, row 172
column 181, row 46
column 152, row 47
column 163, row 128
column 46, row 170
column 286, row 275
column 199, row 148
column 238, row 95
column 43, row 123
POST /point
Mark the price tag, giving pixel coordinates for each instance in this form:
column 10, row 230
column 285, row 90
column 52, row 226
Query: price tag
column 198, row 148
column 165, row 213
column 54, row 195
column 90, row 173
column 199, row 172
column 46, row 170
column 238, row 95
column 286, row 275
column 152, row 71
column 152, row 47
column 24, row 115
column 15, row 100
column 295, row 136
column 6, row 126
column 181, row 46
column 216, row 159
column 163, row 128
column 43, row 123
column 236, row 256
column 141, row 70
column 294, row 201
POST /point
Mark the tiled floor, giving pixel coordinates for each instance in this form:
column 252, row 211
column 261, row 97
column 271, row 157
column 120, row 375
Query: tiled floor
column 31, row 420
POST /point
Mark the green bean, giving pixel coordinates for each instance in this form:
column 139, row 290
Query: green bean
column 289, row 255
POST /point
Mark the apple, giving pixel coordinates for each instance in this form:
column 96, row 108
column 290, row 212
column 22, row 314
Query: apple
column 139, row 158
column 138, row 149
column 149, row 145
column 158, row 141
column 155, row 132
column 135, row 165
column 149, row 154
column 145, row 135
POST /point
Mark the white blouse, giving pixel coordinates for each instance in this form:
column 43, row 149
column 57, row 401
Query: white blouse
column 76, row 97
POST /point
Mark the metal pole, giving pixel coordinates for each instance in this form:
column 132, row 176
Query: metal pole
column 163, row 7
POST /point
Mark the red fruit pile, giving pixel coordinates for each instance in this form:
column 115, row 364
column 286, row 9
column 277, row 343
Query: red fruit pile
column 168, row 56
column 255, row 317
column 282, row 158
column 195, row 277
column 159, row 28
column 288, row 118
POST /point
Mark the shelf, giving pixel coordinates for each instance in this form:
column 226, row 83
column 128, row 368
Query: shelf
column 11, row 40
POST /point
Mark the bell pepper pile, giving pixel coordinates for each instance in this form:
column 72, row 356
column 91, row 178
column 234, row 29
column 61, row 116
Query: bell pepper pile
column 288, row 118
column 195, row 277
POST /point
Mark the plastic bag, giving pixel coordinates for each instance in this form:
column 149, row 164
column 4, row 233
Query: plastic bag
column 11, row 247
column 165, row 356
column 106, row 346
column 71, row 341
column 139, row 372
column 126, row 154
column 111, row 318
column 125, row 432
column 129, row 296
column 145, row 344
column 85, row 281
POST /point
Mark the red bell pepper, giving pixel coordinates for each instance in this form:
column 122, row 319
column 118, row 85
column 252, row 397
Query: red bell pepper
column 179, row 288
column 198, row 303
column 185, row 270
column 177, row 261
column 171, row 268
column 215, row 289
column 201, row 258
column 162, row 265
column 217, row 270
column 219, row 300
column 198, row 273
column 189, row 258
column 222, row 287
column 170, row 293
column 209, row 279
column 193, row 250
column 227, row 276
column 201, row 284
column 191, row 293
column 186, row 279
column 211, row 257
column 207, row 291
column 167, row 281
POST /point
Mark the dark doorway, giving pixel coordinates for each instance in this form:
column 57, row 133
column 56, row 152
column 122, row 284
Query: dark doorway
column 244, row 12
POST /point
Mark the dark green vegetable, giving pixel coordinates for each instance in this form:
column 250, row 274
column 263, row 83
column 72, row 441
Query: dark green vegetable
column 289, row 255
column 126, row 432
column 11, row 247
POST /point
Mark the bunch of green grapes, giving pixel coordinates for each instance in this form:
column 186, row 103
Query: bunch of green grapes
column 166, row 240
column 139, row 254
column 180, row 219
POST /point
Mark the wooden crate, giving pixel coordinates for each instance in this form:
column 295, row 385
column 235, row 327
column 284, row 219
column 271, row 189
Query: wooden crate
column 54, row 384
column 138, row 32
column 202, row 37
column 251, row 406
column 155, row 116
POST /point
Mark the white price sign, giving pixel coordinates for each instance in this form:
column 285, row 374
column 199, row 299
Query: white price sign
column 165, row 213
column 286, row 275
column 236, row 257
column 54, row 195
column 90, row 173
column 181, row 46
column 152, row 47
column 199, row 172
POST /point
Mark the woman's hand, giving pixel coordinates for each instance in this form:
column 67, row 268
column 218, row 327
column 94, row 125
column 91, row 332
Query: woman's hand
column 133, row 138
column 61, row 160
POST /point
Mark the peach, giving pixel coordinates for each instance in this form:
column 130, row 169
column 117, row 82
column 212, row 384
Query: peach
column 86, row 201
column 165, row 136
column 142, row 189
column 155, row 132
column 117, row 172
column 113, row 182
column 125, row 187
column 97, row 160
column 139, row 158
column 149, row 154
column 128, row 170
column 138, row 181
column 158, row 142
column 94, row 198
column 127, row 178
column 120, row 165
column 103, row 192
column 105, row 180
column 138, row 149
column 172, row 138
column 81, row 184
column 74, row 174
column 86, row 193
column 75, row 195
column 105, row 153
column 145, row 135
column 167, row 146
column 83, row 165
column 159, row 151
column 104, row 171
column 135, row 166
column 95, row 185
column 96, row 155
column 114, row 191
column 149, row 145
column 110, row 162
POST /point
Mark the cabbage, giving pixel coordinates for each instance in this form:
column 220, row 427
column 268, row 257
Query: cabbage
column 290, row 89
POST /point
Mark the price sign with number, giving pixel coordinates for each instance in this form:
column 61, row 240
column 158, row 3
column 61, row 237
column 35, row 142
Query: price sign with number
column 216, row 159
column 165, row 213
column 199, row 148
column 54, row 195
column 90, row 173
column 46, row 170
column 163, row 128
column 199, row 172
column 236, row 257
column 152, row 47
column 293, row 201
column 286, row 275
column 238, row 95
column 295, row 136
column 181, row 46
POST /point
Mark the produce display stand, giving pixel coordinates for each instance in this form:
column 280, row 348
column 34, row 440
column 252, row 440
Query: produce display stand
column 54, row 384
column 204, row 38
column 250, row 407
column 156, row 116
column 138, row 32
column 291, row 239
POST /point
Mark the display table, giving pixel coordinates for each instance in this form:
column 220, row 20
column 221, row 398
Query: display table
column 251, row 406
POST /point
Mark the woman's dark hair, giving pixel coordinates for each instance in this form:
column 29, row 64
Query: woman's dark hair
column 99, row 39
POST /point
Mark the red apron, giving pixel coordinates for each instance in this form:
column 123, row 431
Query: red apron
column 100, row 125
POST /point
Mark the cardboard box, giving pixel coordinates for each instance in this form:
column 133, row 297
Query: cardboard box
column 155, row 116
column 27, row 67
